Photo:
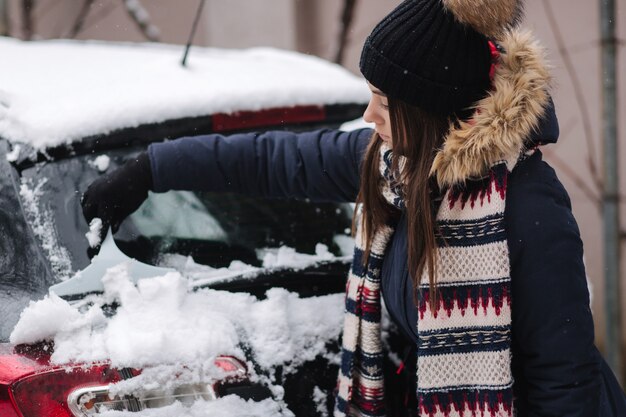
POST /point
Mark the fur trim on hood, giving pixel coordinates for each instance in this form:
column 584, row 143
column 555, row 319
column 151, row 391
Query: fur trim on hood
column 503, row 120
column 490, row 17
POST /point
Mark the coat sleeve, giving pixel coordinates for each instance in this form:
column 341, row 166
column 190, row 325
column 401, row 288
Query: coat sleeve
column 323, row 165
column 553, row 334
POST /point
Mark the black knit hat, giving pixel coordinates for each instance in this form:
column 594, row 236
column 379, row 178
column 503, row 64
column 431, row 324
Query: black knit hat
column 426, row 54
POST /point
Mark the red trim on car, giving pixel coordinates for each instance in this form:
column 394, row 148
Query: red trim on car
column 271, row 117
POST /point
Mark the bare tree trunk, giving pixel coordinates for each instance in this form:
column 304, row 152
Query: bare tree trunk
column 79, row 23
column 98, row 15
column 27, row 18
column 346, row 24
column 5, row 22
column 140, row 16
column 610, row 196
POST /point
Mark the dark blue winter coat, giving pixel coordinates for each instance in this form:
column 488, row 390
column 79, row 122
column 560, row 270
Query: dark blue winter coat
column 557, row 369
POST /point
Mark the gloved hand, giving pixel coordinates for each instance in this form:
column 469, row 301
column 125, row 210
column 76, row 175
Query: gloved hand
column 114, row 196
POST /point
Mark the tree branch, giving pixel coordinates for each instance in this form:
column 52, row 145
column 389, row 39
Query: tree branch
column 27, row 18
column 580, row 98
column 43, row 8
column 346, row 23
column 79, row 23
column 140, row 16
column 5, row 23
column 98, row 16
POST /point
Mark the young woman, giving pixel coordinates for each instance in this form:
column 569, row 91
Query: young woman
column 462, row 229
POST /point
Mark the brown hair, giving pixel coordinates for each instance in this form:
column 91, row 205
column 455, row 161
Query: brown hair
column 416, row 135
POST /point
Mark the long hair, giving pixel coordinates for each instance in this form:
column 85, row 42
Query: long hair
column 416, row 135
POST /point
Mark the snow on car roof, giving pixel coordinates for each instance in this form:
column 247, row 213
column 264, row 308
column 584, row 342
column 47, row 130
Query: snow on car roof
column 57, row 92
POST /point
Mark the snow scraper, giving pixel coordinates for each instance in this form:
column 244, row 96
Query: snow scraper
column 89, row 280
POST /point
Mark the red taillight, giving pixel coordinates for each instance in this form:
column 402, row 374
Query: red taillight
column 82, row 391
column 46, row 394
column 6, row 405
column 232, row 366
column 270, row 117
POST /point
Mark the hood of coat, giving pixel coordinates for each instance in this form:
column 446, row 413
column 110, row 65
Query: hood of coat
column 507, row 120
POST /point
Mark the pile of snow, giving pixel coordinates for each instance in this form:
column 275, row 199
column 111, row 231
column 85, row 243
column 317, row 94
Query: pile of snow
column 90, row 88
column 161, row 321
column 163, row 327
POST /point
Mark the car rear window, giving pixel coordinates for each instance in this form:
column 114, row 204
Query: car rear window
column 214, row 229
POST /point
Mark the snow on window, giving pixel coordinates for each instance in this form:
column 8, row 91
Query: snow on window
column 93, row 235
column 286, row 257
column 320, row 397
column 42, row 224
column 101, row 163
column 273, row 259
column 345, row 243
column 203, row 274
column 14, row 154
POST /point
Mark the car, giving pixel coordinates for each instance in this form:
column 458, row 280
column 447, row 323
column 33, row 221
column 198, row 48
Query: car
column 73, row 110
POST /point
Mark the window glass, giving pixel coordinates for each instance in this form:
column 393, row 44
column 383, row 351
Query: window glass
column 179, row 214
column 215, row 229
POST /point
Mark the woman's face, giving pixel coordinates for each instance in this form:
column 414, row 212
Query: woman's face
column 377, row 112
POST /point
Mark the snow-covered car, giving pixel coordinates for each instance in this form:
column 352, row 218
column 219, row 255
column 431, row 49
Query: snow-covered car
column 254, row 304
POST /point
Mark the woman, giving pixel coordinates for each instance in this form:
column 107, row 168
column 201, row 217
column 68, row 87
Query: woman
column 465, row 231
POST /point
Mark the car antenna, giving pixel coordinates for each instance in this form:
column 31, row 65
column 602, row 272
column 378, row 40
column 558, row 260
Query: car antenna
column 193, row 32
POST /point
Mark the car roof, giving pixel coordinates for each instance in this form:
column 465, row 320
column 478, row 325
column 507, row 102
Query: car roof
column 58, row 92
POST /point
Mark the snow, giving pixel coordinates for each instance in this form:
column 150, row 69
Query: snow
column 273, row 259
column 286, row 329
column 65, row 320
column 42, row 224
column 173, row 333
column 201, row 275
column 229, row 406
column 14, row 154
column 320, row 398
column 91, row 87
column 93, row 235
column 345, row 243
column 101, row 163
column 286, row 257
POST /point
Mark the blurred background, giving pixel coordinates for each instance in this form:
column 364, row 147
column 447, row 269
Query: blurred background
column 335, row 30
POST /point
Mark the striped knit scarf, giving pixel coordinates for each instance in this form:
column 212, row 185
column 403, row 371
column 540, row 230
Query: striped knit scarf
column 463, row 354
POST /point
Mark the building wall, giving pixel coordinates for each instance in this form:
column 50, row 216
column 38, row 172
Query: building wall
column 312, row 26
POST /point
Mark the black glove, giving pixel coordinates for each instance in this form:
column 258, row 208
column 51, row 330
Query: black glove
column 114, row 196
